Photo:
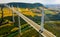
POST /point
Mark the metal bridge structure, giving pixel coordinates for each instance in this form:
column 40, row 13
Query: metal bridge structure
column 38, row 28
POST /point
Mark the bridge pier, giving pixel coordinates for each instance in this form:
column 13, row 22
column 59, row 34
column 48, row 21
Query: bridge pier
column 42, row 21
column 19, row 22
column 13, row 15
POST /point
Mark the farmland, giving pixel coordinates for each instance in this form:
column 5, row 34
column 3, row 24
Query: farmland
column 11, row 29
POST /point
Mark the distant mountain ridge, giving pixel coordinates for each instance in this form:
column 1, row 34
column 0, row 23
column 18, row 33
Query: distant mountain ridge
column 53, row 5
column 25, row 5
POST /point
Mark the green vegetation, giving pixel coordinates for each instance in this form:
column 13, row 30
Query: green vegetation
column 25, row 28
column 54, row 28
column 53, row 22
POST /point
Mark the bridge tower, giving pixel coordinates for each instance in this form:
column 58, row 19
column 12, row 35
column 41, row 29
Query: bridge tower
column 42, row 21
column 13, row 15
column 19, row 24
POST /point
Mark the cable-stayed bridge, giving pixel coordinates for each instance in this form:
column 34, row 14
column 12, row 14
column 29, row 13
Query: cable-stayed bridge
column 37, row 27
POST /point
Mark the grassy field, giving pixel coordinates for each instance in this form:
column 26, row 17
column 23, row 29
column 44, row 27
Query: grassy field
column 53, row 27
column 8, row 30
column 11, row 29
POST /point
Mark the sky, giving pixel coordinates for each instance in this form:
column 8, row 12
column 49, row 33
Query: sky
column 33, row 1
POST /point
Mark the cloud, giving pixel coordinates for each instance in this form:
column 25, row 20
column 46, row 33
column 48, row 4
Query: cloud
column 50, row 1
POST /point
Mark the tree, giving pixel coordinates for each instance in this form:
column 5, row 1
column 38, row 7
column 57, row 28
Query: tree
column 2, row 14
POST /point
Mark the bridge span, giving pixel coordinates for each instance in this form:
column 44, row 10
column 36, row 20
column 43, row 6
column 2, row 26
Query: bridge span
column 37, row 27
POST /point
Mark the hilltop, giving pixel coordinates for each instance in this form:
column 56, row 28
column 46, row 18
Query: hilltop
column 24, row 5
